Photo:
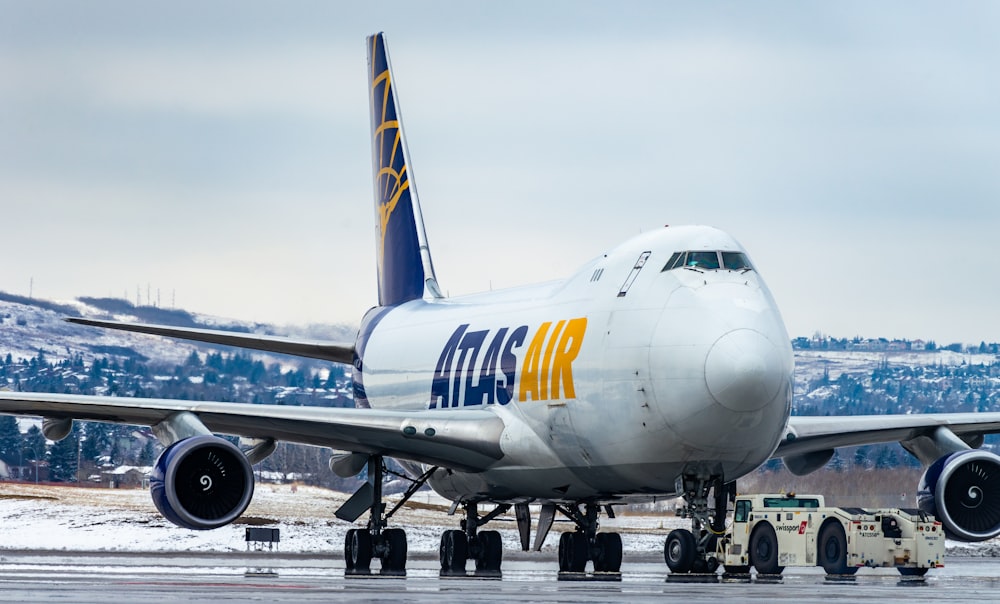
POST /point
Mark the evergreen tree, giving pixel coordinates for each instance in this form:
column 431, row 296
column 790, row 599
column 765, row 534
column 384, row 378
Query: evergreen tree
column 193, row 360
column 10, row 438
column 63, row 456
column 96, row 442
column 33, row 448
column 147, row 455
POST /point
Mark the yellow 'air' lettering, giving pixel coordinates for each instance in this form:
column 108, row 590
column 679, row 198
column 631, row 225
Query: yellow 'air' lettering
column 569, row 347
column 547, row 362
column 532, row 365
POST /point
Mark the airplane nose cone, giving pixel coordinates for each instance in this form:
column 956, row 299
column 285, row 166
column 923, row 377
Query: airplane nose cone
column 743, row 370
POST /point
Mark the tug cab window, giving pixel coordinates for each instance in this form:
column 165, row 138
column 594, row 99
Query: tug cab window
column 790, row 502
column 742, row 511
column 705, row 261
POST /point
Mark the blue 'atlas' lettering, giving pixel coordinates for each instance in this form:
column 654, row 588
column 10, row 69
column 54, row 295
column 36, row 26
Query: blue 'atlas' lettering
column 460, row 380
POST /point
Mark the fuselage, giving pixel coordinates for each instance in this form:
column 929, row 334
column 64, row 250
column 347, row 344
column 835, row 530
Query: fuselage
column 666, row 355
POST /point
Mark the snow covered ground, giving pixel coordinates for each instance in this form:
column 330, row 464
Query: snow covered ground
column 80, row 519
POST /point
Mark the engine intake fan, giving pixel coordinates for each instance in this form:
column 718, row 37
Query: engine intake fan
column 202, row 482
column 962, row 490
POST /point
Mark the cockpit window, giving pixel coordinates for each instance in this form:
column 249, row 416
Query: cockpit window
column 735, row 261
column 702, row 260
column 676, row 260
column 714, row 260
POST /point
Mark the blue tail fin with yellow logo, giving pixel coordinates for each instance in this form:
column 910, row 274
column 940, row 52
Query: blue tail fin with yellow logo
column 404, row 263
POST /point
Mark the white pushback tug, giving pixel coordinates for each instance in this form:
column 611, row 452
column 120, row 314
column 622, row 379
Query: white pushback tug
column 772, row 531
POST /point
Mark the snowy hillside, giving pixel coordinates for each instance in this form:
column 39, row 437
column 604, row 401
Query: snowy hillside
column 27, row 328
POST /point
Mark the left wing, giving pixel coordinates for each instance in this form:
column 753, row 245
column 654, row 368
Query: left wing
column 316, row 349
column 468, row 439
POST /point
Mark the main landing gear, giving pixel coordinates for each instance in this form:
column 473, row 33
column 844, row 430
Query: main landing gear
column 587, row 545
column 484, row 547
column 375, row 541
column 690, row 553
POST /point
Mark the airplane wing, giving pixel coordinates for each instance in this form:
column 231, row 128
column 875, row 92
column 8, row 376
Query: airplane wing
column 316, row 349
column 466, row 440
column 806, row 434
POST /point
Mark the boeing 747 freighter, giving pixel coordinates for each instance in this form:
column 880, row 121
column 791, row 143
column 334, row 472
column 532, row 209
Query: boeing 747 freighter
column 661, row 367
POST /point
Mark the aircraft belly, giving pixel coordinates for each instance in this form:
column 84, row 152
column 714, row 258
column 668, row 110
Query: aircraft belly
column 606, row 483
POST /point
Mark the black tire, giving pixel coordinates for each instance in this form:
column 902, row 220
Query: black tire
column 912, row 572
column 572, row 553
column 831, row 551
column 454, row 551
column 360, row 555
column 764, row 550
column 348, row 558
column 736, row 570
column 609, row 553
column 395, row 559
column 680, row 550
column 490, row 551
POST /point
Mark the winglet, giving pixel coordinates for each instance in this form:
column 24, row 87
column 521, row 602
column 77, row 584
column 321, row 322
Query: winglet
column 405, row 269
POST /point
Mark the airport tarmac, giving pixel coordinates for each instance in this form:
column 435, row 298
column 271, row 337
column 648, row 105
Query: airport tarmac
column 103, row 577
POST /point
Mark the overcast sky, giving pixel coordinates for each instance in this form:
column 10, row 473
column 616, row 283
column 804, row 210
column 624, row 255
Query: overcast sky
column 219, row 153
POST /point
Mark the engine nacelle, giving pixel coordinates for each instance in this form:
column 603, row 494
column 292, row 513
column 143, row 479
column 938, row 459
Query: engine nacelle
column 962, row 490
column 202, row 482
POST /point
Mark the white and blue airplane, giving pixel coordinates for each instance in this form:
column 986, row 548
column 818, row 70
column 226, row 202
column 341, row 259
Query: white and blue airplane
column 661, row 367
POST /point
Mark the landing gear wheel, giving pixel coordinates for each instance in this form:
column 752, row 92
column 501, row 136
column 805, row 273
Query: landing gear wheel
column 454, row 551
column 609, row 553
column 680, row 550
column 395, row 559
column 490, row 551
column 572, row 553
column 832, row 550
column 358, row 550
column 764, row 550
column 348, row 558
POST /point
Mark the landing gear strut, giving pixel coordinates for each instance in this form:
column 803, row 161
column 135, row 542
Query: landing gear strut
column 586, row 544
column 485, row 547
column 376, row 541
column 693, row 551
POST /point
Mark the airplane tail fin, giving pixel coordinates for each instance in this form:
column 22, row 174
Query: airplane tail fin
column 405, row 270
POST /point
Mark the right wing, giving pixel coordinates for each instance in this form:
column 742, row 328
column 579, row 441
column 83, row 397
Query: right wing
column 467, row 439
column 810, row 434
column 316, row 349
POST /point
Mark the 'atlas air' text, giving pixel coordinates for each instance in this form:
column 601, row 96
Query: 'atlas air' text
column 545, row 372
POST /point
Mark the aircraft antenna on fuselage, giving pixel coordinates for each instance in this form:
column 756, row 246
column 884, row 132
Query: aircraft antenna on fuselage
column 405, row 269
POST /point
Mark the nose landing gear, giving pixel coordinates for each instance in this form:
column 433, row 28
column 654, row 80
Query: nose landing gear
column 691, row 554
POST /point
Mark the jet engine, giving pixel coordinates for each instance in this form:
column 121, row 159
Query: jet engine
column 962, row 490
column 202, row 482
